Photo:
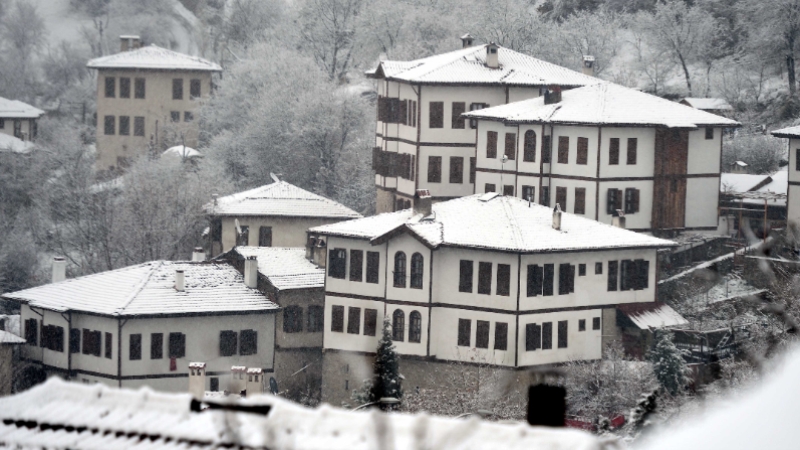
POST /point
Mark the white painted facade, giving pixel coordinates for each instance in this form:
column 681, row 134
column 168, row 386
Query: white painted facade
column 793, row 193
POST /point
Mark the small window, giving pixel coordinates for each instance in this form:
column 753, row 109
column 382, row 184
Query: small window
column 491, row 144
column 399, row 270
column 177, row 345
column 314, row 321
column 434, row 169
column 508, row 190
column 138, row 87
column 248, row 342
column 582, row 157
column 500, row 336
column 415, row 327
column 194, row 88
column 156, row 345
column 482, row 334
column 510, row 149
column 370, row 322
column 546, row 149
column 456, row 169
column 598, row 268
column 580, row 201
column 356, row 265
column 109, row 345
column 188, row 116
column 613, row 152
column 545, row 196
column 503, row 280
column 138, row 126
column 436, row 115
column 612, row 275
column 135, row 347
column 109, row 125
column 596, row 323
column 124, row 87
column 398, row 325
column 547, row 335
column 563, row 334
column 75, row 340
column 529, row 193
column 582, row 325
column 465, row 276
column 533, row 337
column 464, row 331
column 709, row 133
column 631, row 201
column 632, row 145
column 337, row 318
column 529, row 147
column 581, row 270
column 548, row 275
column 417, row 271
column 228, row 342
column 563, row 149
column 489, row 187
column 293, row 319
column 353, row 320
column 111, row 87
column 265, row 236
column 457, row 121
column 177, row 88
column 485, row 278
column 373, row 267
column 175, row 116
column 124, row 125
column 337, row 263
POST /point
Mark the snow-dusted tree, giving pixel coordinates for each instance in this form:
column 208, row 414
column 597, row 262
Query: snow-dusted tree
column 387, row 382
column 762, row 153
column 668, row 363
column 22, row 38
column 328, row 31
column 595, row 34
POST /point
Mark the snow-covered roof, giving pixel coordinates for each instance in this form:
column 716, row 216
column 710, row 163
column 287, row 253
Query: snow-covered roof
column 652, row 315
column 468, row 66
column 717, row 104
column 286, row 267
column 279, row 199
column 9, row 338
column 12, row 144
column 791, row 132
column 15, row 109
column 754, row 189
column 149, row 289
column 59, row 414
column 153, row 57
column 603, row 104
column 12, row 322
column 182, row 151
column 498, row 222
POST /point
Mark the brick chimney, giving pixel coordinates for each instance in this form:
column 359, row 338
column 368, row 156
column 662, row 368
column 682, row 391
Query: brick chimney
column 129, row 42
column 59, row 269
column 588, row 65
column 423, row 202
column 466, row 40
column 552, row 95
column 251, row 272
column 492, row 51
column 197, row 379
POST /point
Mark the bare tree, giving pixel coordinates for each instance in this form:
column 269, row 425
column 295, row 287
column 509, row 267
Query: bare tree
column 329, row 33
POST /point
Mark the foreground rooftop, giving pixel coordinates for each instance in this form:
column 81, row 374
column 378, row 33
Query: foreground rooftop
column 153, row 57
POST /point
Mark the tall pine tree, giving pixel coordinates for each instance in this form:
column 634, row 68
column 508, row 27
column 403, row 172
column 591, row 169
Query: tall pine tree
column 387, row 370
column 668, row 363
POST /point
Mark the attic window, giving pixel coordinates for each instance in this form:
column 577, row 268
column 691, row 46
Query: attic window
column 493, row 50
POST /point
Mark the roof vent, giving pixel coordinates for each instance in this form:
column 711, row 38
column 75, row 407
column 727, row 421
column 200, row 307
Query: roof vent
column 251, row 272
column 588, row 65
column 180, row 281
column 466, row 40
column 129, row 42
column 552, row 95
column 557, row 217
column 423, row 202
column 492, row 51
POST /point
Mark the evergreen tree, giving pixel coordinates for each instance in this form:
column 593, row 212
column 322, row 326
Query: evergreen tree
column 387, row 369
column 668, row 363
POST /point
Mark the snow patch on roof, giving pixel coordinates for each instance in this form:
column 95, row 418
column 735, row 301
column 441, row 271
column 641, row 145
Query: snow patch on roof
column 790, row 132
column 652, row 315
column 15, row 145
column 286, row 267
column 153, row 57
column 719, row 104
column 183, row 152
column 15, row 109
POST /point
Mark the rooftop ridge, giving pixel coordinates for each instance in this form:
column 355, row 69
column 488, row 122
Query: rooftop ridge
column 139, row 288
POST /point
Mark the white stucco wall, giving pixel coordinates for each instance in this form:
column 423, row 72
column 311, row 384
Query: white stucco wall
column 645, row 152
column 444, row 344
column 793, row 201
column 446, row 276
column 409, row 246
column 704, row 154
column 361, row 288
column 702, row 200
column 581, row 345
column 286, row 231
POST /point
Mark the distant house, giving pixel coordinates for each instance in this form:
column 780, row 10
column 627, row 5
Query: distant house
column 793, row 172
column 760, row 200
column 277, row 214
column 142, row 325
column 9, row 338
column 297, row 285
column 484, row 279
column 602, row 150
column 18, row 119
column 739, row 167
column 147, row 97
column 718, row 106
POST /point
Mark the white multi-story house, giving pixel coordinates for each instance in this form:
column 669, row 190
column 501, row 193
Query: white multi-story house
column 277, row 214
column 143, row 324
column 422, row 141
column 486, row 278
column 604, row 148
column 793, row 191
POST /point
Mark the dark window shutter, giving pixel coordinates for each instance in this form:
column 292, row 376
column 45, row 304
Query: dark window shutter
column 563, row 149
column 546, row 149
column 472, row 167
column 635, row 200
column 572, row 278
column 547, row 335
column 534, row 284
column 139, row 87
column 228, row 345
column 548, row 274
column 436, row 115
column 403, row 112
column 134, row 347
column 533, row 337
column 583, row 151
column 457, row 121
column 456, row 169
column 626, row 275
column 482, row 334
column 177, row 88
column 356, row 265
column 465, row 276
column 464, row 331
column 632, row 144
column 485, row 278
column 611, row 199
column 613, row 151
column 580, row 200
column 561, row 197
column 434, row 169
column 500, row 336
column 563, row 279
column 491, row 144
column 353, row 320
column 612, row 275
column 503, row 280
column 511, row 146
column 373, row 267
column 337, row 318
column 248, row 342
column 370, row 322
column 529, row 151
column 618, row 201
column 562, row 334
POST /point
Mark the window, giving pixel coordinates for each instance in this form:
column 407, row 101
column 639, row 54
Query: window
column 489, row 187
column 412, row 114
column 370, row 322
column 581, row 270
column 613, row 152
column 566, row 279
column 482, row 334
column 135, row 347
column 632, row 144
column 510, row 149
column 244, row 236
column 562, row 334
column 53, row 338
column 398, row 325
column 175, row 116
column 109, row 125
column 709, row 133
column 74, row 340
column 473, row 123
column 547, row 335
column 529, row 193
column 457, row 121
column 472, row 168
column 534, row 284
column 265, row 236
column 337, row 263
column 111, row 87
column 491, row 144
column 18, row 129
column 456, row 169
column 631, row 201
column 500, row 336
column 32, row 331
column 228, row 341
column 434, row 169
column 417, row 271
column 503, row 279
column 561, row 197
column 248, row 342
column 549, row 274
column 546, row 149
column 582, row 325
column 91, row 342
column 634, row 275
column 612, row 275
column 465, row 270
column 485, row 278
column 563, row 149
column 353, row 320
column 138, row 87
column 177, row 345
column 508, row 190
column 580, row 201
column 293, row 319
column 545, row 194
column 613, row 201
column 373, row 267
column 337, row 318
column 797, row 160
column 214, row 384
column 533, row 337
column 583, row 151
column 399, row 270
column 124, row 87
column 356, row 265
column 177, row 88
column 2, row 123
column 596, row 323
column 138, row 126
column 436, row 115
column 529, row 147
column 194, row 88
column 315, row 319
column 598, row 268
column 124, row 125
column 156, row 345
column 188, row 116
column 464, row 331
column 415, row 327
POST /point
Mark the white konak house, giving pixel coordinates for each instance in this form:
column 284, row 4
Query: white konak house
column 421, row 140
column 143, row 324
column 602, row 148
column 486, row 278
column 793, row 192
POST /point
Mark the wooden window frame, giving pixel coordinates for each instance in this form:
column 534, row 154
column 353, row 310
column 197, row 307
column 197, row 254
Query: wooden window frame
column 370, row 322
column 415, row 327
column 631, row 155
column 529, row 147
column 582, row 157
column 466, row 272
column 491, row 144
column 563, row 150
column 482, row 328
column 456, row 121
column 510, row 147
column 337, row 318
column 613, row 152
column 436, row 115
column 135, row 347
column 580, row 201
column 485, row 278
column 356, row 265
column 434, row 169
column 353, row 320
column 456, row 170
column 501, row 336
